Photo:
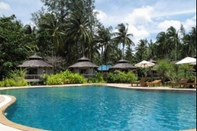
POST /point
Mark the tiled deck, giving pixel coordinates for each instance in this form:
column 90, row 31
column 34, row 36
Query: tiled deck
column 5, row 101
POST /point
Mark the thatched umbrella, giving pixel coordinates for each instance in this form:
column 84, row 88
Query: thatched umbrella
column 35, row 61
column 83, row 63
column 122, row 65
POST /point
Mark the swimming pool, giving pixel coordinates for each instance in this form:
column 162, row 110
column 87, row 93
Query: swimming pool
column 99, row 108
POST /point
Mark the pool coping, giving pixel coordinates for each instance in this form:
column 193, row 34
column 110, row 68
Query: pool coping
column 7, row 100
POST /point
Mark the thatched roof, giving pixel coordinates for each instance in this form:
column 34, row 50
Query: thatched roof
column 83, row 63
column 35, row 61
column 35, row 57
column 123, row 64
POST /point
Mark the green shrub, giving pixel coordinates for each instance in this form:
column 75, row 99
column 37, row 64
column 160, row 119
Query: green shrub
column 65, row 77
column 97, row 79
column 121, row 77
column 15, row 78
column 8, row 82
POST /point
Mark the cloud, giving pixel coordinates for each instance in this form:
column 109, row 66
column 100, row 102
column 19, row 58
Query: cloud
column 140, row 16
column 139, row 32
column 108, row 20
column 4, row 7
column 175, row 7
column 182, row 12
column 164, row 25
column 138, row 21
column 101, row 15
column 189, row 23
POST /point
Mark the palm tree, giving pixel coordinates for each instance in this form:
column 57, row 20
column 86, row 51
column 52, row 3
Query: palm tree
column 141, row 53
column 104, row 38
column 54, row 29
column 163, row 48
column 173, row 39
column 151, row 50
column 77, row 28
column 31, row 39
column 123, row 37
column 189, row 43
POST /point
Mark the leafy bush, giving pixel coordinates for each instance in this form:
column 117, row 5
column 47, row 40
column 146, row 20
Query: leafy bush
column 65, row 77
column 176, row 72
column 97, row 79
column 15, row 78
column 121, row 77
column 13, row 82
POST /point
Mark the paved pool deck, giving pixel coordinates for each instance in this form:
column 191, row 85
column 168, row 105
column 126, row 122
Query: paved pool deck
column 6, row 100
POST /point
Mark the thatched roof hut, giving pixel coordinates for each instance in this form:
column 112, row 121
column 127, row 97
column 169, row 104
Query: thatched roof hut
column 35, row 61
column 84, row 67
column 36, row 67
column 83, row 63
column 122, row 65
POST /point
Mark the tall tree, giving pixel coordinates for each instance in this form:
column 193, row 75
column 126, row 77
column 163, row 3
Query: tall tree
column 12, row 44
column 77, row 28
column 30, row 38
column 141, row 50
column 123, row 37
column 53, row 27
column 174, row 41
column 162, row 44
column 189, row 43
column 104, row 39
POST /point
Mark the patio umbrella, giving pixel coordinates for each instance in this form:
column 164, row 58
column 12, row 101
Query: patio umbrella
column 144, row 64
column 189, row 60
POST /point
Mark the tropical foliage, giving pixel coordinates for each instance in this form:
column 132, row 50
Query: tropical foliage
column 15, row 78
column 121, row 77
column 65, row 77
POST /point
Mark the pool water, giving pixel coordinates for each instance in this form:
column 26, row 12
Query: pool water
column 101, row 108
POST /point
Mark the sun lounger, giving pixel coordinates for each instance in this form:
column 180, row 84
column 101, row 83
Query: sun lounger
column 142, row 82
column 181, row 83
column 154, row 83
column 188, row 84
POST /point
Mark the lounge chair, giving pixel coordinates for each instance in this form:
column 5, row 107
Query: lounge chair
column 188, row 84
column 154, row 83
column 180, row 83
column 142, row 82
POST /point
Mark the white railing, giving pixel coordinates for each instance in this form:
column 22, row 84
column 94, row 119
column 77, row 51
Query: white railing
column 33, row 76
column 88, row 75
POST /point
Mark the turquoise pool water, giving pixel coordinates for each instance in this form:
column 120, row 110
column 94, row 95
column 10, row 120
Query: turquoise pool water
column 101, row 108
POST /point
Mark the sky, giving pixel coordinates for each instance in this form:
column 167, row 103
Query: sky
column 145, row 18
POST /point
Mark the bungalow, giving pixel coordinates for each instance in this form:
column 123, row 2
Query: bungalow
column 36, row 68
column 122, row 65
column 84, row 67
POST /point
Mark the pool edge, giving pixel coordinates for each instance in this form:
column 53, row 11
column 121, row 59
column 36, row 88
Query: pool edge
column 7, row 123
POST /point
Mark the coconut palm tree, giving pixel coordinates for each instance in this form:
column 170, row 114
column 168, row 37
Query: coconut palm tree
column 31, row 39
column 123, row 37
column 174, row 41
column 104, row 39
column 50, row 25
column 162, row 42
column 141, row 50
column 77, row 28
column 189, row 43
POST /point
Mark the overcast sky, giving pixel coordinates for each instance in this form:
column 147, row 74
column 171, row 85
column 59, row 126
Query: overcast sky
column 146, row 18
